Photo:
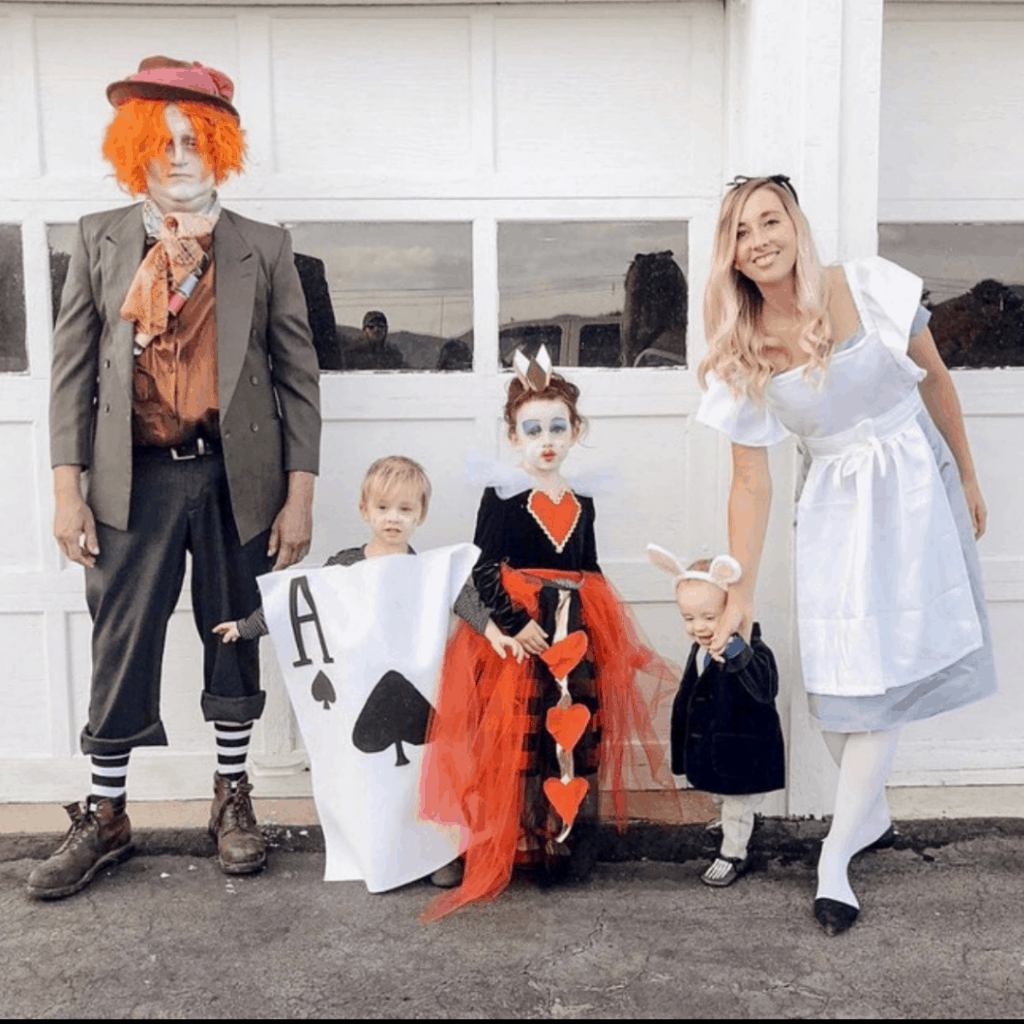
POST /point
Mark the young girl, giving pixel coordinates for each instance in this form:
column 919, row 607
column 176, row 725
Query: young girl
column 890, row 607
column 519, row 745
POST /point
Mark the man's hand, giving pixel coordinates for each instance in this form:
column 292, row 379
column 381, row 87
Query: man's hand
column 73, row 522
column 292, row 529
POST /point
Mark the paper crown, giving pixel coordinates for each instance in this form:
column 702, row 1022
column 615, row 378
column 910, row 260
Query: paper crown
column 724, row 571
column 534, row 372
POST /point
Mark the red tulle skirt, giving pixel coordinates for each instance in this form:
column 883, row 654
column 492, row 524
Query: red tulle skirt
column 472, row 772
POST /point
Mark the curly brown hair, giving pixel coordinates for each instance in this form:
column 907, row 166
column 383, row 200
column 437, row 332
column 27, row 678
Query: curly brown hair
column 559, row 389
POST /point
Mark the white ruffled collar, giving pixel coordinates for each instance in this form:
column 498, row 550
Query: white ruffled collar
column 486, row 471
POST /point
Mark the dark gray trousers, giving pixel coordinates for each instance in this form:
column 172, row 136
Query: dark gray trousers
column 176, row 507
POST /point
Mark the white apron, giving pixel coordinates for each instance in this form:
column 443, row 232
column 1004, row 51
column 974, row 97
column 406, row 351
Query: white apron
column 360, row 650
column 883, row 594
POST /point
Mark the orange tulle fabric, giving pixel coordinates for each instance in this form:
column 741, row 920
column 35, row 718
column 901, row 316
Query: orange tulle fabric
column 472, row 769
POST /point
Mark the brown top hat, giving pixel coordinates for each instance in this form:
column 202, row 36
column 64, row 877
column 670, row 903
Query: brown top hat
column 163, row 78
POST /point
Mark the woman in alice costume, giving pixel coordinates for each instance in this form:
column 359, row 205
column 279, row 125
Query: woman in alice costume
column 892, row 619
column 517, row 747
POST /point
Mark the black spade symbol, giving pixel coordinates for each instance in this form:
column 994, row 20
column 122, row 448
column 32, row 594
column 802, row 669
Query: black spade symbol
column 395, row 712
column 323, row 690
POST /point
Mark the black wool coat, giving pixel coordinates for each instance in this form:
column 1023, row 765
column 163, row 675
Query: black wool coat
column 726, row 736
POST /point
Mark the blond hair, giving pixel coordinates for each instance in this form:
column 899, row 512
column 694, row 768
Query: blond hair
column 393, row 471
column 737, row 348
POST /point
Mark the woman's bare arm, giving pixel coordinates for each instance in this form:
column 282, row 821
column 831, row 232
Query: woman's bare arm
column 750, row 500
column 940, row 398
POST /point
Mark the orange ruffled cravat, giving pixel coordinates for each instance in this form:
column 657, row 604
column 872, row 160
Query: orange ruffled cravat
column 175, row 255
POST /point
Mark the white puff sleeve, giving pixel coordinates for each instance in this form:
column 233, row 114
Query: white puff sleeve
column 888, row 298
column 740, row 418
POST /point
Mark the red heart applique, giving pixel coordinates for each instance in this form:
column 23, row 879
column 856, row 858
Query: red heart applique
column 567, row 725
column 566, row 797
column 557, row 521
column 564, row 656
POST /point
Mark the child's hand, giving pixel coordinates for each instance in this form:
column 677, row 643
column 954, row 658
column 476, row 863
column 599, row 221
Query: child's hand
column 228, row 632
column 533, row 638
column 502, row 642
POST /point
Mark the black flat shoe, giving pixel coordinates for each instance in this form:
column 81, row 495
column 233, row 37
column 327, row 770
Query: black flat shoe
column 835, row 917
column 886, row 841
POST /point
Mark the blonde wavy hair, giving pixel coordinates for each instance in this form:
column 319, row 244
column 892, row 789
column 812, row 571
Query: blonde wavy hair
column 737, row 348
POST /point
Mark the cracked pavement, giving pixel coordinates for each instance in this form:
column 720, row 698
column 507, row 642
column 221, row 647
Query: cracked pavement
column 166, row 935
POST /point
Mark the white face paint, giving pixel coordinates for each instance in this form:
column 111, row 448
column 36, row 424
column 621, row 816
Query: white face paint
column 393, row 518
column 765, row 239
column 701, row 605
column 544, row 435
column 181, row 181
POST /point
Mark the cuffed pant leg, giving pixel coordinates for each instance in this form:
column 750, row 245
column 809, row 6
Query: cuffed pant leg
column 224, row 588
column 131, row 593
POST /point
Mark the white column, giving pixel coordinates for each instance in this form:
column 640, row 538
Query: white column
column 802, row 95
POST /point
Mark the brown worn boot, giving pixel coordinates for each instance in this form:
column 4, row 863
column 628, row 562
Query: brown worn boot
column 96, row 838
column 241, row 848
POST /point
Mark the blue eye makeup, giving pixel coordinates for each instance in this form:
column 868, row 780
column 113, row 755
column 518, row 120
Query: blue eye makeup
column 559, row 426
column 531, row 428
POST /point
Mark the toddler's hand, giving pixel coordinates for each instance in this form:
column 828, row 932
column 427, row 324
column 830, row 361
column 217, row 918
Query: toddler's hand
column 228, row 632
column 533, row 638
column 502, row 642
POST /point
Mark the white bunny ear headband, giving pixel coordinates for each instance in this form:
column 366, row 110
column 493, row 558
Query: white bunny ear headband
column 533, row 371
column 725, row 570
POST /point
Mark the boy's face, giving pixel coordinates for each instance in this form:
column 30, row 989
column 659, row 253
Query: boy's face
column 701, row 605
column 394, row 515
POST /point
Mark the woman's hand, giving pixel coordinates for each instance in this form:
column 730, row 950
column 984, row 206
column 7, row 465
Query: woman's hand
column 737, row 617
column 533, row 638
column 976, row 506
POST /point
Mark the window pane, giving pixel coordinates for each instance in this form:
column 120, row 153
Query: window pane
column 386, row 296
column 611, row 293
column 973, row 284
column 13, row 354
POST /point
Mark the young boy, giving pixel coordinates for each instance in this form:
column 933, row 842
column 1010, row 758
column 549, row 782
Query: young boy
column 726, row 736
column 394, row 500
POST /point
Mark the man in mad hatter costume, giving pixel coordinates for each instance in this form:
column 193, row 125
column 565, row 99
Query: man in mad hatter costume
column 185, row 398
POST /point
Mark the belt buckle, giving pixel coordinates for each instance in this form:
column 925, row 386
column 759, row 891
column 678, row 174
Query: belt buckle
column 179, row 457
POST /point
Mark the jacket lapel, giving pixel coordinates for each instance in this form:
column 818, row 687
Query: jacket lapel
column 123, row 247
column 234, row 300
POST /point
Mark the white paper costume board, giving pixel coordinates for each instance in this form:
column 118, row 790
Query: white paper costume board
column 360, row 649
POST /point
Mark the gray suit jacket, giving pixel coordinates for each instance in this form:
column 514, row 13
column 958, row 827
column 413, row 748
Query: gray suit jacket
column 267, row 374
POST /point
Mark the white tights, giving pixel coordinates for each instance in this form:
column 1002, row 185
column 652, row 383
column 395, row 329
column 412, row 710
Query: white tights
column 861, row 812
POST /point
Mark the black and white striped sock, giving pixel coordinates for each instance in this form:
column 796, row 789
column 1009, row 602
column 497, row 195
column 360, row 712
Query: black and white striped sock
column 232, row 748
column 109, row 779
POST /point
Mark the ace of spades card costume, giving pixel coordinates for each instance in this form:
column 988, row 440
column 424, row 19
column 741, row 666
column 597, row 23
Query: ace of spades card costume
column 360, row 649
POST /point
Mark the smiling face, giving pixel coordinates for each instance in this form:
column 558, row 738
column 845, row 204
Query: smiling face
column 181, row 180
column 393, row 515
column 543, row 435
column 766, row 244
column 701, row 605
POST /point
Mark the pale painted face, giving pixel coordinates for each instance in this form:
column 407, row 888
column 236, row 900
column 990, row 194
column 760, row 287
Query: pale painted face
column 393, row 516
column 181, row 181
column 765, row 239
column 701, row 605
column 544, row 435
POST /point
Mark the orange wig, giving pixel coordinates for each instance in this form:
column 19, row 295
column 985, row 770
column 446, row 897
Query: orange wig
column 138, row 135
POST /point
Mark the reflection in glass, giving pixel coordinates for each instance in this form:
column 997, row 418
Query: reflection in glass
column 13, row 353
column 596, row 293
column 973, row 284
column 390, row 296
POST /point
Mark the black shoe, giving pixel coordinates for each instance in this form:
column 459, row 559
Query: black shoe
column 835, row 917
column 886, row 841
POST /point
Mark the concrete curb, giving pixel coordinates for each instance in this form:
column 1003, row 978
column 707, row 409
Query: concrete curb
column 791, row 840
